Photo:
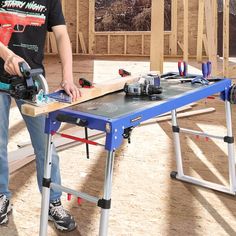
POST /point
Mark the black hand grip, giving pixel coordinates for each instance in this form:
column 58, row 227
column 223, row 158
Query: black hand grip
column 24, row 69
column 27, row 72
column 71, row 120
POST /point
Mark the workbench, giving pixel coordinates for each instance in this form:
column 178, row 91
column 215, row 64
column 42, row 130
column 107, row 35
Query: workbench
column 116, row 115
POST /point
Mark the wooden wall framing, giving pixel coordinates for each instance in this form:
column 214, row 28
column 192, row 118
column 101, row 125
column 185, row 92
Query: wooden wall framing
column 191, row 32
column 157, row 36
column 86, row 41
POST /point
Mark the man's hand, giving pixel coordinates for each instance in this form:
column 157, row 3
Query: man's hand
column 71, row 89
column 64, row 49
column 11, row 64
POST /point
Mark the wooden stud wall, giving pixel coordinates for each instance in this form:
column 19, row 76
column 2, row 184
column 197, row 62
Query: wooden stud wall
column 185, row 30
column 193, row 32
column 157, row 36
column 226, row 39
column 174, row 28
column 79, row 16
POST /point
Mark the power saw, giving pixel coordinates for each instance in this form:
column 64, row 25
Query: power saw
column 30, row 87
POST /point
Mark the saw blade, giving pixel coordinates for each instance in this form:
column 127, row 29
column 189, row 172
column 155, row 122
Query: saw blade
column 41, row 83
column 42, row 89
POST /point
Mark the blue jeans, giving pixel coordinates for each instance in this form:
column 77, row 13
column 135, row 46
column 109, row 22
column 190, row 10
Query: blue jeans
column 35, row 126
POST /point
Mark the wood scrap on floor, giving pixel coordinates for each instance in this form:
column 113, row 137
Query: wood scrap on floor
column 188, row 107
column 21, row 157
column 180, row 115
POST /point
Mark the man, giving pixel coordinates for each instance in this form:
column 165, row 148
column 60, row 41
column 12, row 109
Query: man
column 23, row 27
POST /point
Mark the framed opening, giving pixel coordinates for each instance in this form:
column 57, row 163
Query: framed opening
column 127, row 15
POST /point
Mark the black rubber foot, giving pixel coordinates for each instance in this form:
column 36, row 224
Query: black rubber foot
column 173, row 174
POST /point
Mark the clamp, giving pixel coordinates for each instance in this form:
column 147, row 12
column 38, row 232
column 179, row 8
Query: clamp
column 183, row 68
column 123, row 73
column 84, row 83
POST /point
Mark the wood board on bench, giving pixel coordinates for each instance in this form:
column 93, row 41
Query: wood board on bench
column 86, row 94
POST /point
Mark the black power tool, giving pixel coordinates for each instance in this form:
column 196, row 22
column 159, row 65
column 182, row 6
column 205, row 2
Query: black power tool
column 25, row 87
column 148, row 85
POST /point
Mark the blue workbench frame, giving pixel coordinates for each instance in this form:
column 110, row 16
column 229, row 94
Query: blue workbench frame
column 114, row 129
column 117, row 125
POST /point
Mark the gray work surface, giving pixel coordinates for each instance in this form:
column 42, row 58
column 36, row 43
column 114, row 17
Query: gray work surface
column 118, row 104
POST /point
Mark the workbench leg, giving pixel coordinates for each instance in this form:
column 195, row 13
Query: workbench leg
column 178, row 155
column 103, row 229
column 46, row 188
column 230, row 147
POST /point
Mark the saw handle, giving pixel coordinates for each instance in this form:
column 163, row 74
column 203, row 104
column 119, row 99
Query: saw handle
column 27, row 72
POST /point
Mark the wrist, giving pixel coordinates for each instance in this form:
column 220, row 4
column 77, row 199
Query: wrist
column 63, row 83
column 5, row 53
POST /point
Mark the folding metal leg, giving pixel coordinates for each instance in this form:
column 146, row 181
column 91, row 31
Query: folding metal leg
column 230, row 148
column 103, row 230
column 179, row 174
column 46, row 190
column 178, row 154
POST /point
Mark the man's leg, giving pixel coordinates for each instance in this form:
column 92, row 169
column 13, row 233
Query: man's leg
column 35, row 125
column 5, row 206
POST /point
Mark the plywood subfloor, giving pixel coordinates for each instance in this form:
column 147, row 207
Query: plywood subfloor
column 145, row 201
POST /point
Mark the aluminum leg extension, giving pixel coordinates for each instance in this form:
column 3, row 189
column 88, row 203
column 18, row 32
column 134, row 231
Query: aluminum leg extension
column 179, row 174
column 178, row 155
column 46, row 190
column 103, row 229
column 231, row 157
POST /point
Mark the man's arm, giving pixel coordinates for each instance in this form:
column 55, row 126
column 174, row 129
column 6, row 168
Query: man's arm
column 65, row 53
column 11, row 64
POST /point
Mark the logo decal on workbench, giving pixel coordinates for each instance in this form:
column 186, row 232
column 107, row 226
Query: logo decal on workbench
column 136, row 119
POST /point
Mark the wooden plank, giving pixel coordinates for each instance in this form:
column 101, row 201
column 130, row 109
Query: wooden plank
column 25, row 155
column 91, row 26
column 205, row 44
column 215, row 21
column 142, row 44
column 125, row 44
column 82, row 42
column 16, row 165
column 210, row 31
column 185, row 43
column 181, row 115
column 174, row 27
column 108, row 44
column 128, row 33
column 77, row 29
column 63, row 4
column 48, row 43
column 53, row 43
column 226, row 38
column 157, row 36
column 181, row 46
column 231, row 72
column 200, row 29
column 86, row 94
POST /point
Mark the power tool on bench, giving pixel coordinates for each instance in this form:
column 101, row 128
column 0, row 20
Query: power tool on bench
column 147, row 85
column 31, row 86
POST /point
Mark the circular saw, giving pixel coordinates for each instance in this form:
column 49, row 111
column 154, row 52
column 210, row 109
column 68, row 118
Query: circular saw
column 31, row 87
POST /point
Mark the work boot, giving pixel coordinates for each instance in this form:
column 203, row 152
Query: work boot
column 61, row 218
column 5, row 208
